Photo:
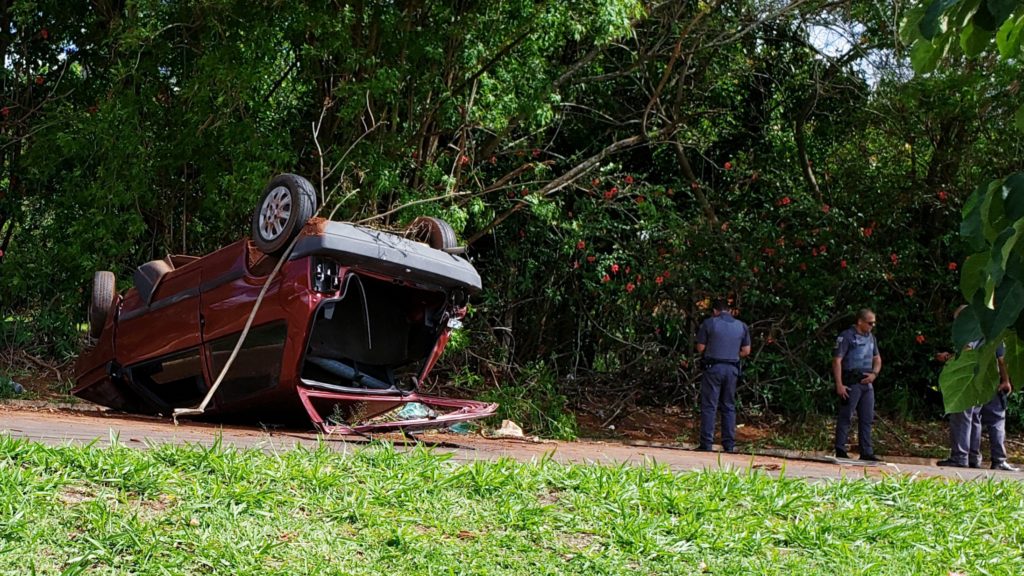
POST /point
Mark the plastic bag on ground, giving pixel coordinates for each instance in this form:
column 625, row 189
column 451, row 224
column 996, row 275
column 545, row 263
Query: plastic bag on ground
column 509, row 429
column 415, row 411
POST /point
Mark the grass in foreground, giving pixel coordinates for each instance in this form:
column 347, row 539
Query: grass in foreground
column 190, row 510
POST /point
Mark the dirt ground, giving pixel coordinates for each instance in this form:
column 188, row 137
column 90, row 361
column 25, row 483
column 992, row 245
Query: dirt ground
column 671, row 428
column 48, row 424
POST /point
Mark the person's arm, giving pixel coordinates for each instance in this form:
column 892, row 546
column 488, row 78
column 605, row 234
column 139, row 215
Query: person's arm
column 876, row 368
column 745, row 343
column 702, row 337
column 837, row 373
column 1004, row 376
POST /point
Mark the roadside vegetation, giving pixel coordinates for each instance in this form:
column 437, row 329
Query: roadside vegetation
column 193, row 510
column 610, row 164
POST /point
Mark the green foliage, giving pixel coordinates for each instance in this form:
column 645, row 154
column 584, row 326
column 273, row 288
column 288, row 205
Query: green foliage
column 753, row 166
column 535, row 402
column 218, row 510
column 992, row 280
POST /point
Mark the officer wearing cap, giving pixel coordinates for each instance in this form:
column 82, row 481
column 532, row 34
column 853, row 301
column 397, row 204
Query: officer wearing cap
column 855, row 366
column 722, row 340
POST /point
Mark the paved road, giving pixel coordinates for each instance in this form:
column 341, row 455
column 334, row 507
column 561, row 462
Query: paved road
column 57, row 426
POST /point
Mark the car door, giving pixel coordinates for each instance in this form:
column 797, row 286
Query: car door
column 160, row 345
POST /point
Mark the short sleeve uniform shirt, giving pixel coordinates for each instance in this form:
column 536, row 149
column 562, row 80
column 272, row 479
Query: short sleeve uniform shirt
column 724, row 336
column 857, row 350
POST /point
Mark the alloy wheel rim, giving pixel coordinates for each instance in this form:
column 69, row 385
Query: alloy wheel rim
column 275, row 212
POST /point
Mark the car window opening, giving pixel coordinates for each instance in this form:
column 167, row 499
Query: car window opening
column 404, row 322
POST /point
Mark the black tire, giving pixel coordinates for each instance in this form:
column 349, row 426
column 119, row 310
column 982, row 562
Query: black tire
column 434, row 232
column 101, row 301
column 284, row 207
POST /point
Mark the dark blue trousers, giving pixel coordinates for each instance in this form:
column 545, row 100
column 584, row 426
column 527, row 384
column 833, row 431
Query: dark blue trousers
column 861, row 401
column 718, row 389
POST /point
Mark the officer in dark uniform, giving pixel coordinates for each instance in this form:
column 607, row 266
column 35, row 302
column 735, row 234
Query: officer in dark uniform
column 855, row 366
column 723, row 340
column 965, row 427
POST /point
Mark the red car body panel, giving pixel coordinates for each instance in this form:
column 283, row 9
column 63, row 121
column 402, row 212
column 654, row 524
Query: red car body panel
column 350, row 324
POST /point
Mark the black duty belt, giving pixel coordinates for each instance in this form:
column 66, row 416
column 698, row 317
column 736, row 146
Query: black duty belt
column 856, row 375
column 708, row 362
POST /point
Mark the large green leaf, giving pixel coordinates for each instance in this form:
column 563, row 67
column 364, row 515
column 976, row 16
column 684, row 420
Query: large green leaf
column 1008, row 37
column 1014, row 356
column 970, row 379
column 929, row 24
column 967, row 326
column 1009, row 303
column 993, row 211
column 974, row 39
column 924, row 56
column 994, row 270
column 972, row 274
column 910, row 31
column 1013, row 194
column 1012, row 242
column 1000, row 10
column 971, row 226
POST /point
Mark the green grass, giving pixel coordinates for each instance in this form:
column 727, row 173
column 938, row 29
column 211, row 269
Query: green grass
column 191, row 510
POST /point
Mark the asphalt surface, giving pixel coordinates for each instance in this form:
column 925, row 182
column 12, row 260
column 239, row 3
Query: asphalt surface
column 58, row 426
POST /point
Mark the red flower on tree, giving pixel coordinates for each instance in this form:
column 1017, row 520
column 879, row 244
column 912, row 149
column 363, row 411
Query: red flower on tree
column 868, row 231
column 536, row 152
column 910, row 292
column 894, row 259
column 728, row 165
column 784, row 201
column 942, row 195
column 825, row 208
column 951, row 266
column 842, row 264
column 615, row 268
column 39, row 80
column 920, row 339
column 606, row 278
column 629, row 179
column 630, row 287
column 581, row 245
column 658, row 280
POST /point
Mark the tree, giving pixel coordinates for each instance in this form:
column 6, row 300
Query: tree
column 992, row 277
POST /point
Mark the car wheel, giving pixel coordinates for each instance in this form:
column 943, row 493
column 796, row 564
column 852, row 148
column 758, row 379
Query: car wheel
column 101, row 301
column 287, row 202
column 434, row 232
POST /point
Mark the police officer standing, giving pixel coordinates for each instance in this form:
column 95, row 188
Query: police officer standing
column 855, row 366
column 965, row 427
column 723, row 340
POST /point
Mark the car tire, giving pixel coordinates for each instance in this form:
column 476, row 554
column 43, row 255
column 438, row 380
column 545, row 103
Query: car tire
column 284, row 207
column 101, row 301
column 434, row 232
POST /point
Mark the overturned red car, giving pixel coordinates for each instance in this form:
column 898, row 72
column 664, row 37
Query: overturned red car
column 309, row 317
